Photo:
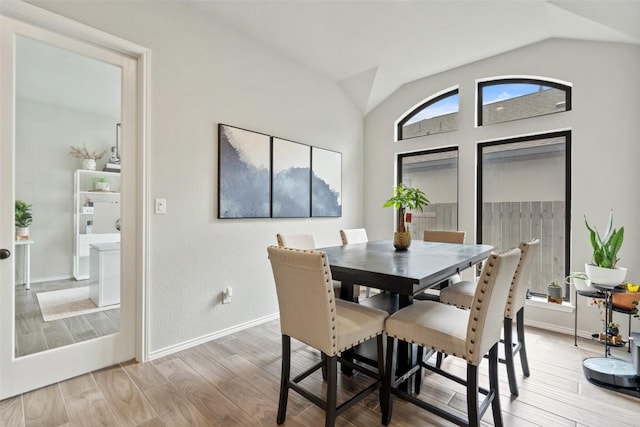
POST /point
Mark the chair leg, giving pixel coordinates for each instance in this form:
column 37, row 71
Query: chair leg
column 284, row 378
column 523, row 348
column 418, row 379
column 332, row 390
column 324, row 366
column 493, row 386
column 508, row 356
column 386, row 405
column 439, row 358
column 472, row 395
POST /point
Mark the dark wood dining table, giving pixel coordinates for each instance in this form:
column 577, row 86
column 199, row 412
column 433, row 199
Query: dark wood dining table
column 401, row 274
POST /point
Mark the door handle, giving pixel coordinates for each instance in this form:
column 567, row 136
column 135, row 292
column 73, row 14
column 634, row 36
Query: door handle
column 5, row 253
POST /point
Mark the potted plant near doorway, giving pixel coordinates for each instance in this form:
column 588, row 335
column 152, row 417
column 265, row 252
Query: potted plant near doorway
column 603, row 269
column 405, row 198
column 23, row 219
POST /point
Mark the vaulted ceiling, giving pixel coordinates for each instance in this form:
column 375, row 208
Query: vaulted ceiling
column 372, row 47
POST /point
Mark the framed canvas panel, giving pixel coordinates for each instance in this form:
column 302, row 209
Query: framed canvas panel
column 244, row 170
column 326, row 183
column 291, row 166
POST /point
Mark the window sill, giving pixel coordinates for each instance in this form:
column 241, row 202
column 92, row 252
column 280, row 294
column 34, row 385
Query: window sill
column 540, row 302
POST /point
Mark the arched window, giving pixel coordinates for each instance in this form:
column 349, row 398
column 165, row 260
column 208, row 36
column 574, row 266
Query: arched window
column 437, row 114
column 504, row 100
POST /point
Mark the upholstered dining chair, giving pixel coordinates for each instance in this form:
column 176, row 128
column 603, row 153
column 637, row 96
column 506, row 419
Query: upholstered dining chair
column 297, row 241
column 355, row 235
column 306, row 241
column 442, row 236
column 310, row 313
column 461, row 295
column 467, row 334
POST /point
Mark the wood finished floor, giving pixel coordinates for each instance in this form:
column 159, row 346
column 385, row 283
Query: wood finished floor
column 34, row 335
column 234, row 381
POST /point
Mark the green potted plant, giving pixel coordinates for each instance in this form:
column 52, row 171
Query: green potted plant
column 554, row 292
column 603, row 269
column 23, row 219
column 405, row 198
column 101, row 184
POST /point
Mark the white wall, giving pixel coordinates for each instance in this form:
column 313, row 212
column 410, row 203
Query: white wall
column 605, row 148
column 203, row 74
column 44, row 177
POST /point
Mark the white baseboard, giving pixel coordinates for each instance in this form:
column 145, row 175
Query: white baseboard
column 555, row 328
column 210, row 337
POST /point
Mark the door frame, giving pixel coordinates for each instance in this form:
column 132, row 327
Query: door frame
column 49, row 21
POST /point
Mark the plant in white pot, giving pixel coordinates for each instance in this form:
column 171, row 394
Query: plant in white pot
column 603, row 269
column 88, row 157
column 405, row 197
column 23, row 219
column 101, row 184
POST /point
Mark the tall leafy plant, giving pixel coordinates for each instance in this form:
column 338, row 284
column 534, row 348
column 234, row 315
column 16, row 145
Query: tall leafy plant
column 606, row 246
column 406, row 197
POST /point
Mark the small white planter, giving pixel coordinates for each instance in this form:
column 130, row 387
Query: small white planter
column 89, row 164
column 22, row 233
column 101, row 186
column 580, row 284
column 608, row 277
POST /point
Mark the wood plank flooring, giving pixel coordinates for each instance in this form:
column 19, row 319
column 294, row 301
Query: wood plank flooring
column 233, row 382
column 34, row 335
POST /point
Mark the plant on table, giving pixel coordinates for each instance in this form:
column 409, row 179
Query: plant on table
column 23, row 219
column 406, row 198
column 23, row 214
column 605, row 254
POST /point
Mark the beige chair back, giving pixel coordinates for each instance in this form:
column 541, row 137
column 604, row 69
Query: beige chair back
column 354, row 235
column 487, row 310
column 305, row 297
column 297, row 241
column 444, row 236
column 521, row 278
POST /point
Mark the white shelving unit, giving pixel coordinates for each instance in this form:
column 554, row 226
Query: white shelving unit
column 105, row 213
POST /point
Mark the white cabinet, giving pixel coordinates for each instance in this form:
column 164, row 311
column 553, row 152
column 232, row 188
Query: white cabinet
column 104, row 276
column 96, row 216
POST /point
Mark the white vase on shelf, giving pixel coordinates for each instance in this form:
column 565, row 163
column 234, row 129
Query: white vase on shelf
column 89, row 164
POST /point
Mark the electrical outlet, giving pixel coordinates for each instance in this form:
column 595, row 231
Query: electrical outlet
column 226, row 295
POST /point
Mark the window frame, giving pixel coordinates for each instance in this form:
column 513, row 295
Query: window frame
column 480, row 85
column 455, row 148
column 533, row 137
column 421, row 106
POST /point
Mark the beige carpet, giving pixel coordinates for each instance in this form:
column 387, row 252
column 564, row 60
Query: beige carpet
column 70, row 302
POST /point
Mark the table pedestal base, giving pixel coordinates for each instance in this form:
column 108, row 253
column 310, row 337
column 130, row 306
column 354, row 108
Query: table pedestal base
column 615, row 374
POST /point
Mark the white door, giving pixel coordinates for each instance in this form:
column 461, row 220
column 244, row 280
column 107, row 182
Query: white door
column 22, row 373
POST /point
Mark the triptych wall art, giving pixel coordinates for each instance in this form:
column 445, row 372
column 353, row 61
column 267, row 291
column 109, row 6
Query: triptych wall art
column 262, row 176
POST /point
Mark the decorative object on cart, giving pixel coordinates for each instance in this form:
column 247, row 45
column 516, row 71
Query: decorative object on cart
column 405, row 198
column 603, row 268
column 101, row 184
column 88, row 158
column 554, row 292
column 23, row 219
column 580, row 281
column 629, row 299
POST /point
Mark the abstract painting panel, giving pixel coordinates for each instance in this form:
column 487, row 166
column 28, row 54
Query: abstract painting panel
column 244, row 171
column 291, row 179
column 326, row 183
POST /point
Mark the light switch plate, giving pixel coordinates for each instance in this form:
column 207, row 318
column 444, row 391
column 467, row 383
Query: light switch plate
column 161, row 206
